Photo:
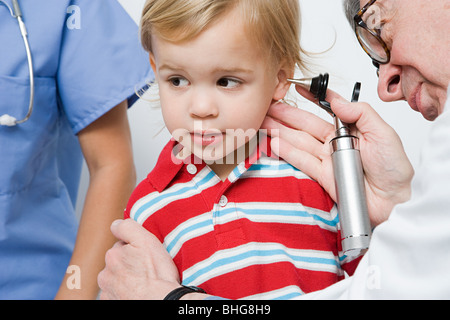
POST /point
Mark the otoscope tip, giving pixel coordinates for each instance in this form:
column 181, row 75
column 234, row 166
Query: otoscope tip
column 302, row 82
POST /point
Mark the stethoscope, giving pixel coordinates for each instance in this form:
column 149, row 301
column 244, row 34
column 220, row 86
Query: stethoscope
column 6, row 119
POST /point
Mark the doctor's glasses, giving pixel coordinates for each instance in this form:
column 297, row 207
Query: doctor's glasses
column 368, row 31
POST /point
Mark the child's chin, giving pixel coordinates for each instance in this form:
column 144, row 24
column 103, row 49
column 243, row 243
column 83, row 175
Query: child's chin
column 212, row 159
column 209, row 154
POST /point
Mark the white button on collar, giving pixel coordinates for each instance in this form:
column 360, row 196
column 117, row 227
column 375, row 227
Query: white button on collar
column 223, row 201
column 192, row 169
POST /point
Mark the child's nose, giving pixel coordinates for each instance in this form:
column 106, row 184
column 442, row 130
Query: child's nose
column 203, row 105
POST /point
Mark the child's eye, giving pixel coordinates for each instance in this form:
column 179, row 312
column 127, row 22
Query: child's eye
column 228, row 83
column 179, row 82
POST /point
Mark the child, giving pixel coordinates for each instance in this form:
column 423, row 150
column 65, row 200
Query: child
column 238, row 222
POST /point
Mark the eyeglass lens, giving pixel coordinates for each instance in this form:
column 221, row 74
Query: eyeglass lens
column 369, row 33
column 372, row 45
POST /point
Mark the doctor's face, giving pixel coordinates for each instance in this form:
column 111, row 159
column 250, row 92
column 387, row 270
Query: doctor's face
column 416, row 32
column 215, row 86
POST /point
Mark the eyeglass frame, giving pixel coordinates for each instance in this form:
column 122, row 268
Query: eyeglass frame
column 359, row 23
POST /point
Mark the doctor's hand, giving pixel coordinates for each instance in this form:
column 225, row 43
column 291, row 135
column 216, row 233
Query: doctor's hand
column 138, row 266
column 302, row 139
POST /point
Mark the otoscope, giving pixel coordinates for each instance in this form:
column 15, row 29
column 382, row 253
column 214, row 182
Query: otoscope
column 356, row 230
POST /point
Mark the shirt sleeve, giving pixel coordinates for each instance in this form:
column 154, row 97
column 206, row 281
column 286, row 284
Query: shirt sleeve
column 142, row 190
column 350, row 266
column 102, row 62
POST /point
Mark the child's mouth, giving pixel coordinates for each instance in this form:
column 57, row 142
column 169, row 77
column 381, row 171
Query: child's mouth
column 207, row 138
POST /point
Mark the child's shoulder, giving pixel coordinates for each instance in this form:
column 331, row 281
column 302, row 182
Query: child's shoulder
column 277, row 167
column 143, row 189
column 291, row 179
column 157, row 179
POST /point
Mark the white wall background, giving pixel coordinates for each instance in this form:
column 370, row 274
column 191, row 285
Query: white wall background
column 324, row 24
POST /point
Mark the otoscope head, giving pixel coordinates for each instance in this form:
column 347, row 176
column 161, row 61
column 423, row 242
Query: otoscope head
column 318, row 87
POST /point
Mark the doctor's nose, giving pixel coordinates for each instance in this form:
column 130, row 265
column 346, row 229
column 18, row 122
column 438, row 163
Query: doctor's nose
column 203, row 106
column 390, row 83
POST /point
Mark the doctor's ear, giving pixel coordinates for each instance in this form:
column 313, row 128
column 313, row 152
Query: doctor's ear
column 283, row 85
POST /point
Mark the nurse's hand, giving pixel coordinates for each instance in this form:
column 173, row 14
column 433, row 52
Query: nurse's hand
column 302, row 139
column 138, row 267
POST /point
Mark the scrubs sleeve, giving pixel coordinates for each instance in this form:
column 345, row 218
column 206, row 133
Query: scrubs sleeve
column 102, row 62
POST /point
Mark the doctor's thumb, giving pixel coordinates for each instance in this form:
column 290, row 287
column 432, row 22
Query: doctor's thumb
column 361, row 114
column 345, row 110
column 128, row 231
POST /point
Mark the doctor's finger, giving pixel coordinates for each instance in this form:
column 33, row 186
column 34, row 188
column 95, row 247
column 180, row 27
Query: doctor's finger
column 367, row 120
column 312, row 166
column 118, row 244
column 302, row 120
column 131, row 232
column 296, row 138
column 305, row 93
column 300, row 159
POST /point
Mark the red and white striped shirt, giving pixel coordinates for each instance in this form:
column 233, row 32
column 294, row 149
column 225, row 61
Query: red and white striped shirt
column 267, row 232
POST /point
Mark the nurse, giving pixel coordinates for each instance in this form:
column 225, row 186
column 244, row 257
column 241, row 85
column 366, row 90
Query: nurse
column 88, row 65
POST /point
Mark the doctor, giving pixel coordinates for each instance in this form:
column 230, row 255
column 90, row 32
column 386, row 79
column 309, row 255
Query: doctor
column 409, row 254
column 87, row 66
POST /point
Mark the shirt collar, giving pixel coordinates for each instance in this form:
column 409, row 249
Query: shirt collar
column 172, row 160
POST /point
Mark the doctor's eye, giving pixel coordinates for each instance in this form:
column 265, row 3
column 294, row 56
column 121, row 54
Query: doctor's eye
column 178, row 82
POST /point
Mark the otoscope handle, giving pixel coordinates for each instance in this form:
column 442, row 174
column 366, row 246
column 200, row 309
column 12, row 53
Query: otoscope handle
column 348, row 173
column 351, row 196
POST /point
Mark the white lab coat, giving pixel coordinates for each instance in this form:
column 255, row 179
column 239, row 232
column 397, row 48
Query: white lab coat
column 409, row 256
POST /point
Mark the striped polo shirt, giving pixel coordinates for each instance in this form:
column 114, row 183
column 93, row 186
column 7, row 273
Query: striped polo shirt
column 267, row 232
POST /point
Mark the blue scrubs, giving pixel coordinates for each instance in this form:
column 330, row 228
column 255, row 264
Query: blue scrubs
column 86, row 62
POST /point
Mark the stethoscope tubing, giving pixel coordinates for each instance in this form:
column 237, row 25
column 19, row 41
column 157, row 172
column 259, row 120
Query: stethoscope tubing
column 17, row 13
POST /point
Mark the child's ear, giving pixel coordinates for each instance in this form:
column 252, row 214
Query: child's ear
column 153, row 63
column 283, row 85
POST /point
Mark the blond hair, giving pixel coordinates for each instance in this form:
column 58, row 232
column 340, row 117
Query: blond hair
column 274, row 25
